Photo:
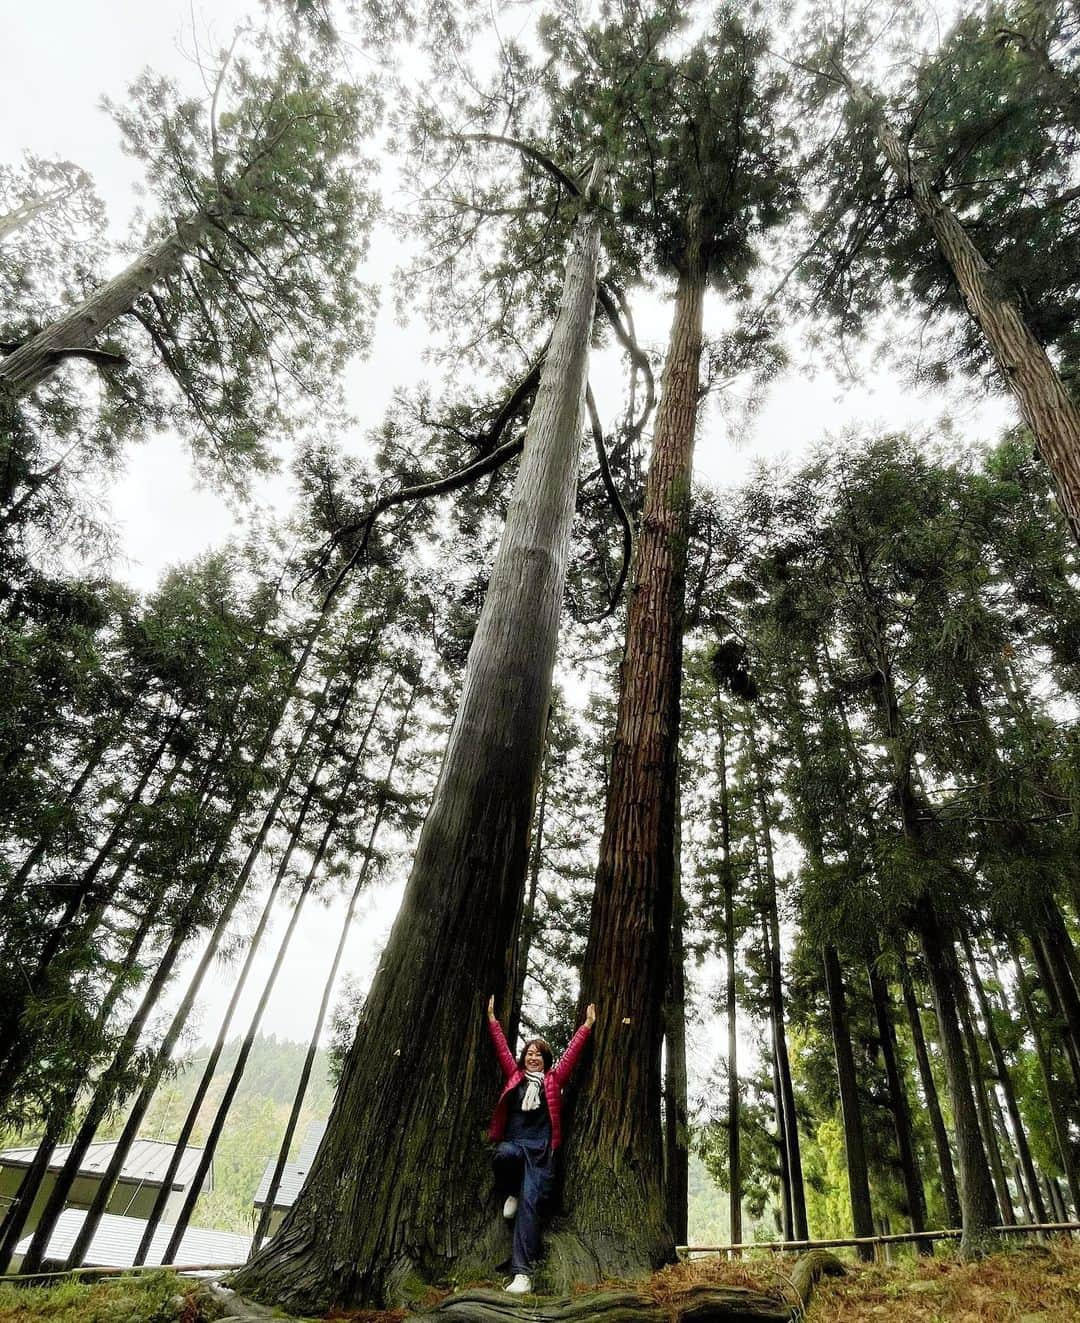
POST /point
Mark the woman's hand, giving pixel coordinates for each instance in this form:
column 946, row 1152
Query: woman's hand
column 590, row 1014
column 491, row 1008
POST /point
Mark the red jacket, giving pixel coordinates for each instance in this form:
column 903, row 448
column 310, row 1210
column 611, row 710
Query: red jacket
column 554, row 1079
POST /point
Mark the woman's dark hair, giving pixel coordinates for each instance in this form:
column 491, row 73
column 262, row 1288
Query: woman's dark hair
column 545, row 1052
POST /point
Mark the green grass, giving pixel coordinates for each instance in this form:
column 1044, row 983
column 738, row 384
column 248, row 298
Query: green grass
column 156, row 1297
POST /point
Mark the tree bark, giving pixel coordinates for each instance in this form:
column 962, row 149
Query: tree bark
column 617, row 1225
column 23, row 370
column 949, row 1188
column 676, row 1108
column 787, row 1224
column 528, row 913
column 1054, row 988
column 862, row 1213
column 1025, row 367
column 1023, row 1150
column 900, row 1107
column 399, row 1189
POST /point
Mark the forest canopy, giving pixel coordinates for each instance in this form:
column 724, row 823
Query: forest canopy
column 617, row 649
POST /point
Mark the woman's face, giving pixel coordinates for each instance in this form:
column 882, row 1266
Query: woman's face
column 534, row 1059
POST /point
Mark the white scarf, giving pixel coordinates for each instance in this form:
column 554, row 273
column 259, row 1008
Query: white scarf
column 531, row 1099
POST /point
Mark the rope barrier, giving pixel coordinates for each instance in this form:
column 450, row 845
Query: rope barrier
column 1023, row 1228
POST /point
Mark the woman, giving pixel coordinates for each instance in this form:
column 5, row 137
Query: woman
column 527, row 1129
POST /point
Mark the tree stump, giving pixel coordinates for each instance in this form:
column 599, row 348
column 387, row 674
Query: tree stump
column 696, row 1304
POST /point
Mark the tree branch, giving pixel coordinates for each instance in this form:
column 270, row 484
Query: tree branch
column 616, row 505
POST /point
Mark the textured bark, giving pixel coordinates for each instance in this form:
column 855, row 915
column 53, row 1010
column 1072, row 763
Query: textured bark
column 730, row 1002
column 23, row 370
column 328, row 986
column 1053, row 1100
column 900, row 1107
column 400, row 1187
column 1022, row 361
column 949, row 1188
column 614, row 1161
column 862, row 1213
column 978, row 1203
column 1037, row 1212
column 524, row 941
column 676, row 1108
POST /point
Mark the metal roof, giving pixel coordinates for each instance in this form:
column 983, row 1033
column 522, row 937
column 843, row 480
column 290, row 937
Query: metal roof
column 146, row 1161
column 294, row 1174
column 117, row 1238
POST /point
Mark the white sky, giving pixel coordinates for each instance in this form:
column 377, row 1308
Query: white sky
column 60, row 57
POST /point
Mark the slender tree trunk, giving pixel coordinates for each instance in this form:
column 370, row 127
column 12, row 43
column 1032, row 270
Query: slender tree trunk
column 778, row 1109
column 982, row 1106
column 399, row 1185
column 862, row 1213
column 733, row 1097
column 1025, row 367
column 978, row 1203
column 61, row 1112
column 900, row 1107
column 949, row 1187
column 15, row 1044
column 328, row 987
column 616, row 1224
column 1027, row 1166
column 23, row 370
column 163, row 1053
column 676, row 1127
column 779, row 1015
column 210, row 1066
column 1053, row 1100
column 1053, row 987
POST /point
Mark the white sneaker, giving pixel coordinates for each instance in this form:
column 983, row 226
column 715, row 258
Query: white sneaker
column 521, row 1285
column 510, row 1207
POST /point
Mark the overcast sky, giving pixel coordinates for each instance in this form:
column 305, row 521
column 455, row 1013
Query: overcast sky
column 61, row 56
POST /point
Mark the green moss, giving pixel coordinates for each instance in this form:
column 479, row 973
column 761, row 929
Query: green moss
column 158, row 1297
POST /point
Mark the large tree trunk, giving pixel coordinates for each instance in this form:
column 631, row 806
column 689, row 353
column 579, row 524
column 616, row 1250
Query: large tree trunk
column 400, row 1187
column 900, row 1107
column 676, row 1107
column 1022, row 361
column 616, row 1224
column 978, row 1204
column 949, row 1188
column 730, row 1001
column 73, row 334
column 1001, row 1067
column 862, row 1213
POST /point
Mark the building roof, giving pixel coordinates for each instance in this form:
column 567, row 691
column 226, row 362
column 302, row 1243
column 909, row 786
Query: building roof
column 117, row 1238
column 146, row 1161
column 294, row 1174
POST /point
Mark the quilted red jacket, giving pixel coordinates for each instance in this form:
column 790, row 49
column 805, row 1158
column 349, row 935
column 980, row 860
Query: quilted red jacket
column 554, row 1079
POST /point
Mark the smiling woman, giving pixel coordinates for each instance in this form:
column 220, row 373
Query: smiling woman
column 527, row 1130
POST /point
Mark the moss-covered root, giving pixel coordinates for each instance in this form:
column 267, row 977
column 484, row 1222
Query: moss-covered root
column 697, row 1304
column 810, row 1269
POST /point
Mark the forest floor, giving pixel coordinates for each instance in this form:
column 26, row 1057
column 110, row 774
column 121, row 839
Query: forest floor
column 1027, row 1284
